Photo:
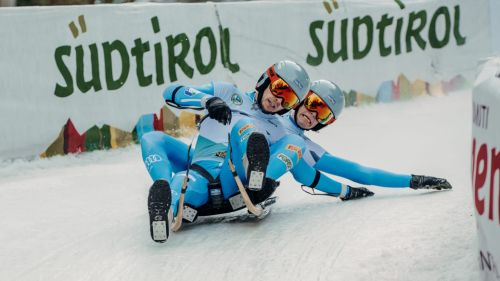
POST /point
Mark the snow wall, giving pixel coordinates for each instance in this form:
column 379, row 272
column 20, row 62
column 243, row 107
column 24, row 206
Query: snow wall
column 104, row 66
column 486, row 166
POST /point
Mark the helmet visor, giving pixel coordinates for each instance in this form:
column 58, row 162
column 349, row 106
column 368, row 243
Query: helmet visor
column 279, row 88
column 324, row 114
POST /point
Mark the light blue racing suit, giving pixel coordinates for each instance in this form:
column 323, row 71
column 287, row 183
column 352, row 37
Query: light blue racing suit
column 208, row 165
column 316, row 161
column 166, row 158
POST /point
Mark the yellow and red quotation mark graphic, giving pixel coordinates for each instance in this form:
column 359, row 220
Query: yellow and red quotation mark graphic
column 74, row 28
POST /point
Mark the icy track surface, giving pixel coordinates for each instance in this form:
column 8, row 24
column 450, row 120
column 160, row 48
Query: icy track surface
column 85, row 217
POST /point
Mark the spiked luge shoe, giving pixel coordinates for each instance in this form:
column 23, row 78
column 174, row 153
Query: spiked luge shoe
column 357, row 193
column 257, row 157
column 160, row 215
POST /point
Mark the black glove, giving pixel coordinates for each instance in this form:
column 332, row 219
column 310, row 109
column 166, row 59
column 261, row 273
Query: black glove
column 218, row 110
column 425, row 182
column 357, row 193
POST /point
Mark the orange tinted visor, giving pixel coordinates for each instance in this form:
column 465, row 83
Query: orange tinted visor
column 279, row 88
column 324, row 114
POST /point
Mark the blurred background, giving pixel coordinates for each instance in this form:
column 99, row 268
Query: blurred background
column 495, row 8
column 83, row 2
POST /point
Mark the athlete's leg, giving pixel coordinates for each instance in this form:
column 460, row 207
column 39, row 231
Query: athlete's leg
column 229, row 187
column 163, row 201
column 285, row 155
column 308, row 176
column 163, row 155
column 250, row 153
column 196, row 192
column 240, row 133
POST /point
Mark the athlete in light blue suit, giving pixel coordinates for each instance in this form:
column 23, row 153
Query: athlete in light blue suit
column 322, row 107
column 248, row 119
column 290, row 149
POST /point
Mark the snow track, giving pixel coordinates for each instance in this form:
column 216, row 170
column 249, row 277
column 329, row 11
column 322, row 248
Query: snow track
column 85, row 217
